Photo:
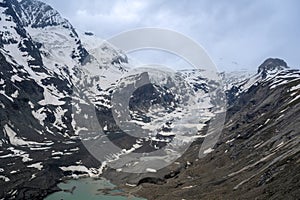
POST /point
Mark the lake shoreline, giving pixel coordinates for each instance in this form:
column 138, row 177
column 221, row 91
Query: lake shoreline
column 89, row 188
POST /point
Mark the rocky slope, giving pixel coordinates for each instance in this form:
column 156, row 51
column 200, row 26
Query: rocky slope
column 257, row 156
column 41, row 57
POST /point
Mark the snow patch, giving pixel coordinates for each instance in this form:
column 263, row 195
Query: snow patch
column 3, row 93
column 297, row 87
column 39, row 115
column 15, row 94
column 50, row 99
column 188, row 187
column 150, row 170
column 16, row 141
column 17, row 153
column 92, row 172
column 209, row 150
column 12, row 136
column 4, row 178
column 38, row 165
column 229, row 141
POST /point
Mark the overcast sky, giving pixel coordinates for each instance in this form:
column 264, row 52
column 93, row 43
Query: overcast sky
column 236, row 34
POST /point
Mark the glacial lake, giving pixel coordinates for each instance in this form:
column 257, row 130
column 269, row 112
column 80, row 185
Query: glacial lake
column 89, row 189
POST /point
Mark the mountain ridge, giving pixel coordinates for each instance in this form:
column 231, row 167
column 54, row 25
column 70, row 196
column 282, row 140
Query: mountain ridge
column 47, row 69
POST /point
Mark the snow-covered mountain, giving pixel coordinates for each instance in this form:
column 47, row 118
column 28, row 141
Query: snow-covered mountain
column 41, row 59
column 270, row 69
column 50, row 75
column 257, row 152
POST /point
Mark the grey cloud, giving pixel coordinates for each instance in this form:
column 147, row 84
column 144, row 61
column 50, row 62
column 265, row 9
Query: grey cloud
column 244, row 31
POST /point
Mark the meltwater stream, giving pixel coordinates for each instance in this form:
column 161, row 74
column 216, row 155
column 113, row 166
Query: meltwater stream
column 89, row 189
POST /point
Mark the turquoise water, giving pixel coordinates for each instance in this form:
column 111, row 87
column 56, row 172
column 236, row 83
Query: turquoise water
column 89, row 189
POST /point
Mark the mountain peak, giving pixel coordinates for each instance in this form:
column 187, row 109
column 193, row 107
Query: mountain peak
column 37, row 14
column 271, row 65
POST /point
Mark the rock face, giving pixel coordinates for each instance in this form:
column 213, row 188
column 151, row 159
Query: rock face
column 257, row 156
column 41, row 58
column 47, row 74
column 271, row 65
